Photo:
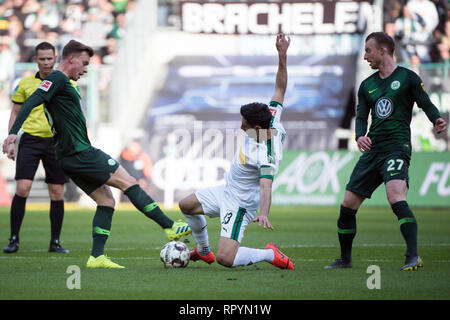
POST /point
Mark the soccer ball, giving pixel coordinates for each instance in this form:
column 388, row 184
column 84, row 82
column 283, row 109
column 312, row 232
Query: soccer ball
column 175, row 254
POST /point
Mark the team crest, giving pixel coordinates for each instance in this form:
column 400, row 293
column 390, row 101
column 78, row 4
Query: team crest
column 45, row 85
column 384, row 108
column 111, row 162
column 395, row 85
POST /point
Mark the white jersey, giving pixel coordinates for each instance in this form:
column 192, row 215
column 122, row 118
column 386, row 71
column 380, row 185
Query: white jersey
column 255, row 160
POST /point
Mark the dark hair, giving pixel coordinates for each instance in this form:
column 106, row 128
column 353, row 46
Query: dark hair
column 383, row 40
column 257, row 113
column 74, row 47
column 44, row 46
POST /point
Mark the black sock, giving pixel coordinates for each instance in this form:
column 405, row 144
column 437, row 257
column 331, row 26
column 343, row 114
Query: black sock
column 101, row 227
column 408, row 225
column 346, row 231
column 16, row 214
column 56, row 218
column 142, row 201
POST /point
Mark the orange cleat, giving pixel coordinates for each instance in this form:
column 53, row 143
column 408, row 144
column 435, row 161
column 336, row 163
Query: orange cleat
column 208, row 258
column 280, row 260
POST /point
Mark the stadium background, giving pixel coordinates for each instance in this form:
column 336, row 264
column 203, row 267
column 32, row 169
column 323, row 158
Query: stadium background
column 172, row 75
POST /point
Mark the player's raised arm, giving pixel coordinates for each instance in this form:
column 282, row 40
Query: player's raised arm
column 282, row 44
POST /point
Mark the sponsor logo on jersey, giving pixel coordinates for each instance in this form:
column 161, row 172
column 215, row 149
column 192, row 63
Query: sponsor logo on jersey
column 373, row 90
column 273, row 111
column 395, row 85
column 45, row 85
column 242, row 158
column 384, row 107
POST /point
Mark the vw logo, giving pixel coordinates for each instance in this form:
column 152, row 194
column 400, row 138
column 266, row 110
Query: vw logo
column 384, row 107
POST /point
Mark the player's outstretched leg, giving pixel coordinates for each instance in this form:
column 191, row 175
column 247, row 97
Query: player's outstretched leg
column 144, row 203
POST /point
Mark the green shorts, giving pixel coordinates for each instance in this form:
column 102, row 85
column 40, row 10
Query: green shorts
column 374, row 168
column 89, row 169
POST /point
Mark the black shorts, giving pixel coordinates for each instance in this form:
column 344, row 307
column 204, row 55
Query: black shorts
column 374, row 168
column 89, row 169
column 31, row 151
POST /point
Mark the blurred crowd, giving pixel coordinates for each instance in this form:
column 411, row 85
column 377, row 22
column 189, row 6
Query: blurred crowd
column 421, row 29
column 98, row 23
column 25, row 23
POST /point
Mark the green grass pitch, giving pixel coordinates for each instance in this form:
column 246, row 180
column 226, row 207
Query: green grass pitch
column 306, row 234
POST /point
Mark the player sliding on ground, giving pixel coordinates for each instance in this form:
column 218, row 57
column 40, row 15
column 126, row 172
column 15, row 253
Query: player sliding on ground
column 248, row 184
column 90, row 168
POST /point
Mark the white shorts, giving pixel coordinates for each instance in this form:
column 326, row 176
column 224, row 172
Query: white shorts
column 216, row 202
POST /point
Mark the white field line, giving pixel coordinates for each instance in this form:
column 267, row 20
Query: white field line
column 297, row 258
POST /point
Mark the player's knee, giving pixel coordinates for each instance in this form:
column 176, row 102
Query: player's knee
column 56, row 192
column 189, row 205
column 393, row 198
column 106, row 201
column 23, row 190
column 352, row 200
column 224, row 259
column 184, row 206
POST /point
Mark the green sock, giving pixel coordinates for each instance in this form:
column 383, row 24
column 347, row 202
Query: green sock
column 346, row 231
column 142, row 201
column 101, row 226
column 408, row 225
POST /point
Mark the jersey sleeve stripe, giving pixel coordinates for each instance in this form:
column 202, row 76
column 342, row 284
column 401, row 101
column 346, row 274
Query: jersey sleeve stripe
column 274, row 103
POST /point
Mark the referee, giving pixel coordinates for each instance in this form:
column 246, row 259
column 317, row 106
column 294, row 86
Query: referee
column 36, row 144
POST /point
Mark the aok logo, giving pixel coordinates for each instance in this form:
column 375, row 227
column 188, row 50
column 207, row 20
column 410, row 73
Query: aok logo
column 384, row 108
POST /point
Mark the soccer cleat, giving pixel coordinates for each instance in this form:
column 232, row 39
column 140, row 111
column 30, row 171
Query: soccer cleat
column 340, row 263
column 280, row 260
column 208, row 258
column 102, row 262
column 178, row 230
column 55, row 246
column 412, row 262
column 12, row 246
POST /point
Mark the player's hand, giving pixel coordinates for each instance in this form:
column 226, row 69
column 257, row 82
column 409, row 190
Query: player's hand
column 364, row 144
column 11, row 151
column 263, row 221
column 282, row 43
column 9, row 140
column 440, row 125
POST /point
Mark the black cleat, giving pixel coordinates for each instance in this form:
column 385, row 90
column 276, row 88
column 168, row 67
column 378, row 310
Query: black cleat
column 340, row 264
column 412, row 262
column 55, row 246
column 13, row 245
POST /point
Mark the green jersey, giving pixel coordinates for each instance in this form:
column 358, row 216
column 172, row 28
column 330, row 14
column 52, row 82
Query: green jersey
column 63, row 108
column 390, row 102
